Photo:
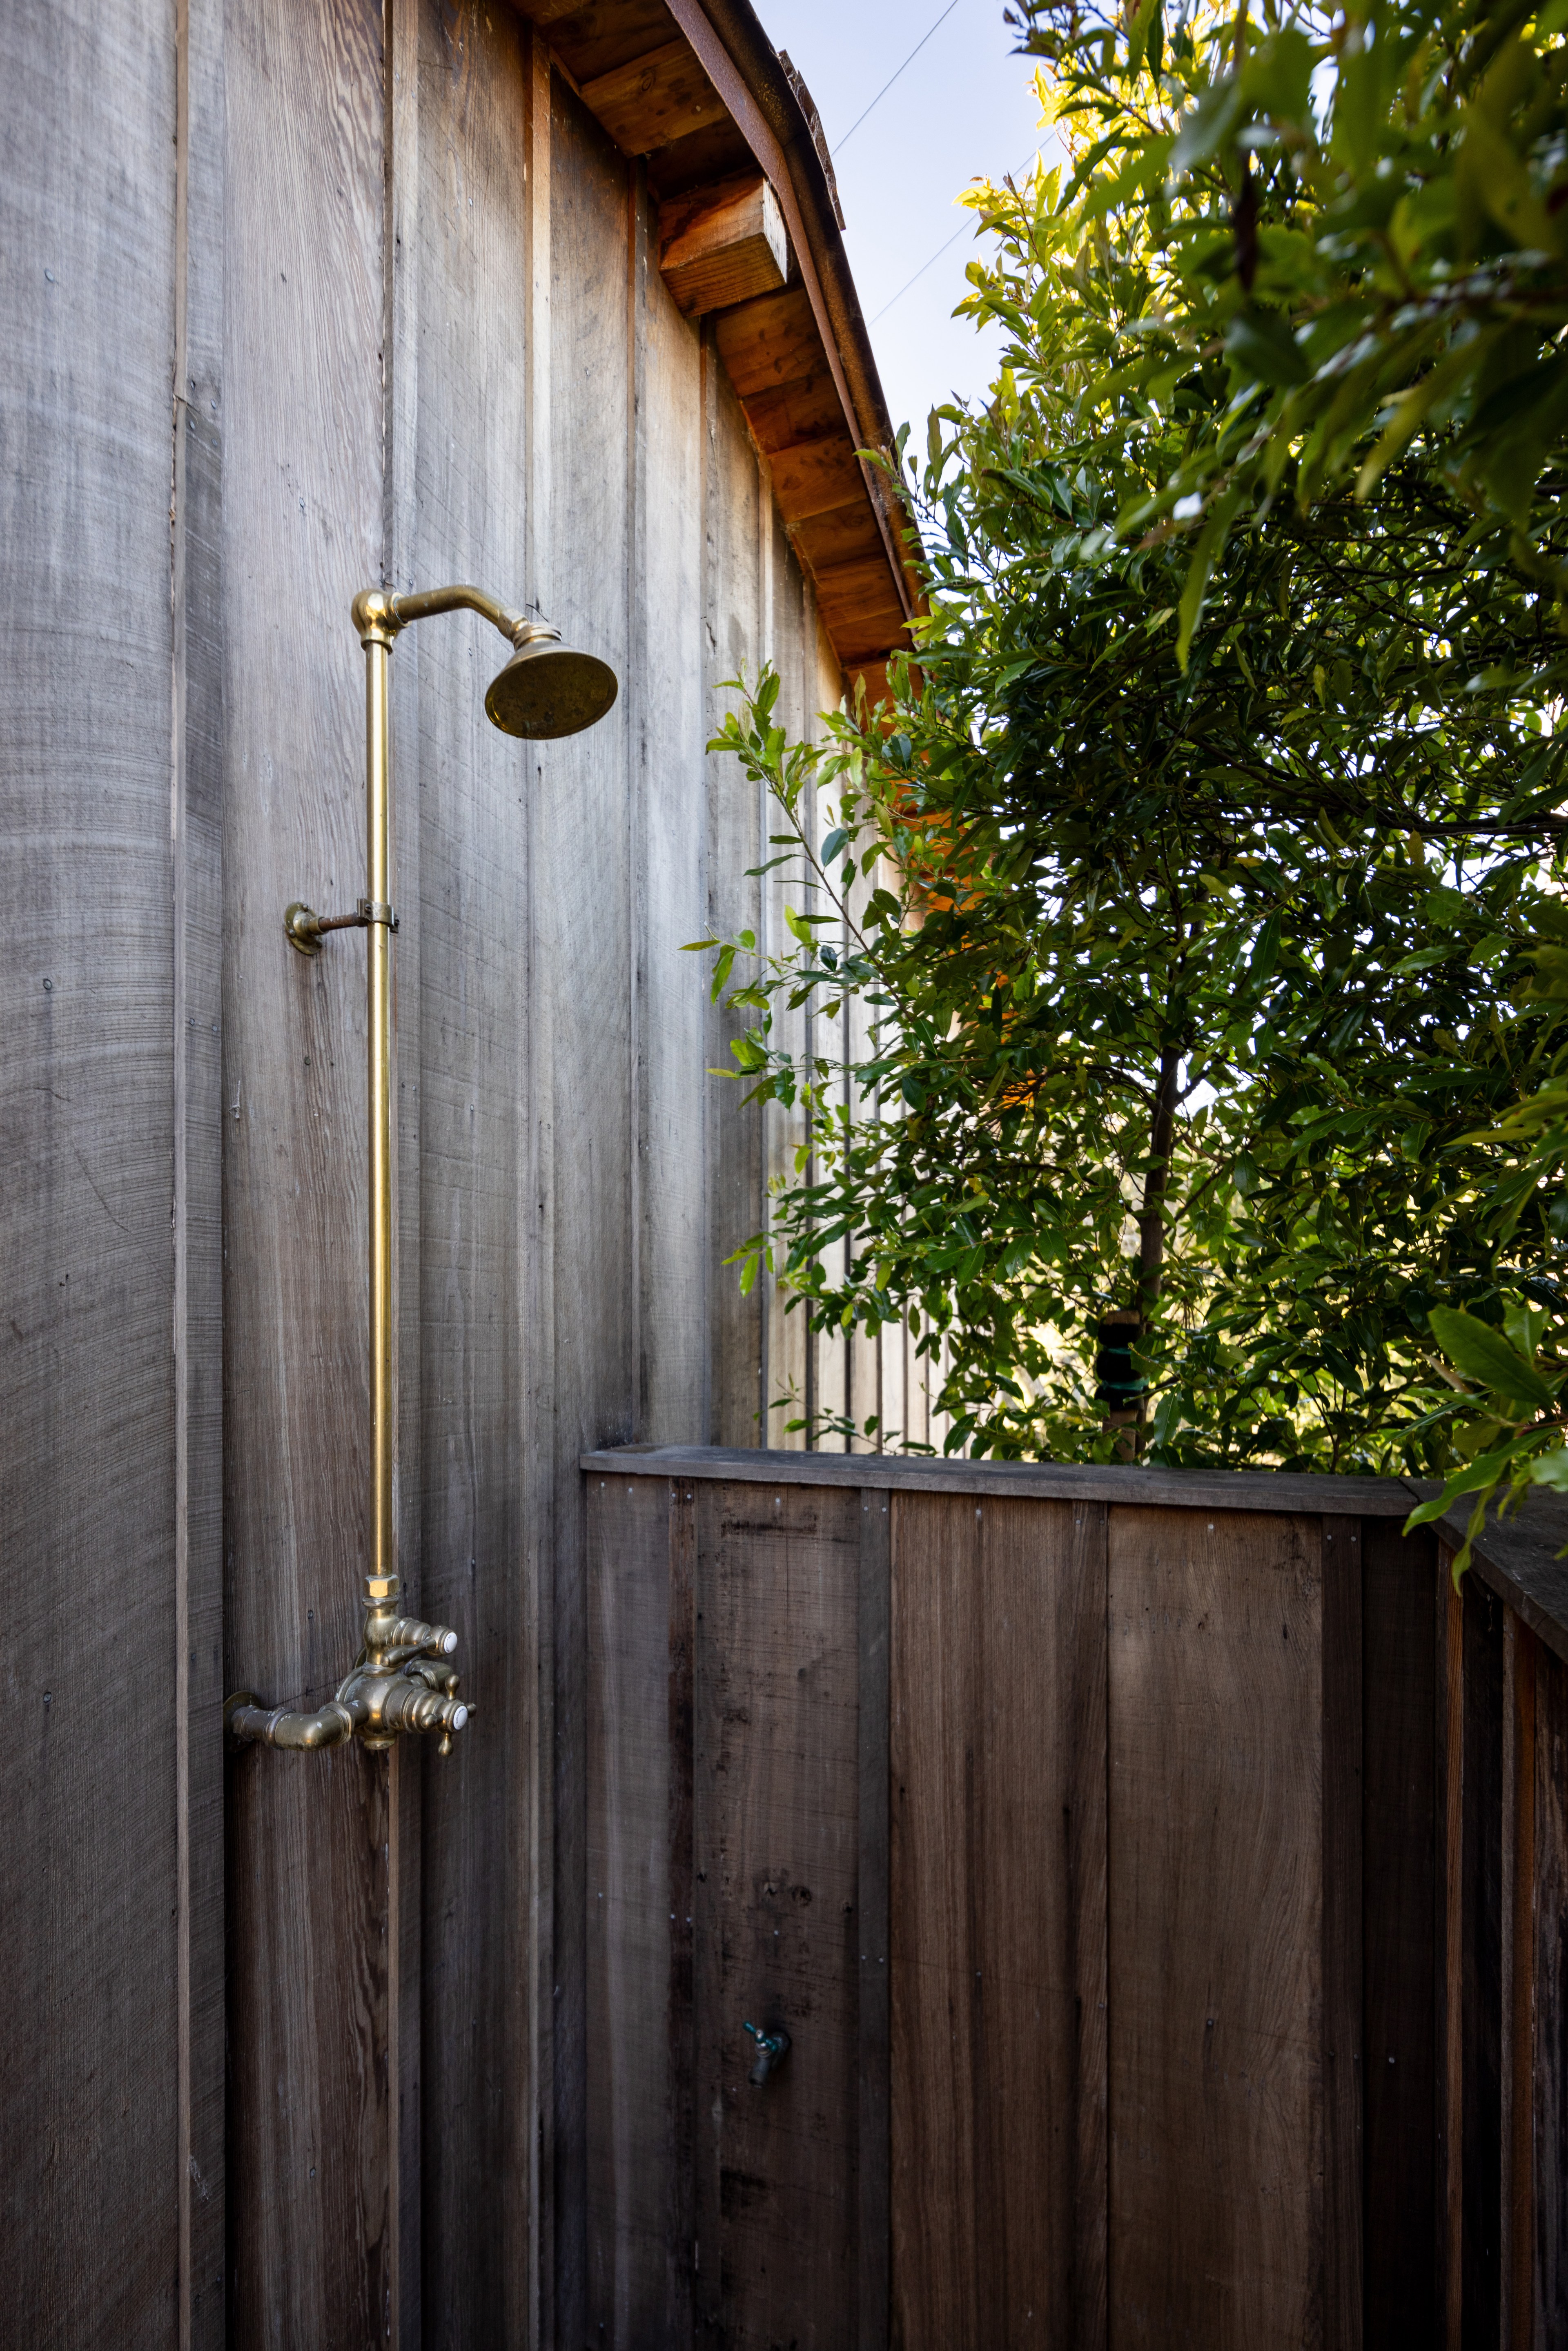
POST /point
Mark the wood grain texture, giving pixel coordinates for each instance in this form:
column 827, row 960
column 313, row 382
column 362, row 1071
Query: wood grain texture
column 787, row 1354
column 1481, row 2093
column 1520, row 1654
column 722, row 246
column 654, row 98
column 634, row 1774
column 1519, row 1556
column 874, row 2148
column 1193, row 1490
column 814, row 476
column 669, row 793
column 771, row 341
column 582, row 948
column 1448, row 1946
column 401, row 258
column 464, row 864
column 197, row 769
column 776, row 1847
column 998, row 1779
column 1399, row 1882
column 733, row 831
column 1215, row 1911
column 552, row 2228
column 308, row 1960
column 1341, row 1847
column 1551, row 1982
column 99, row 1952
column 592, row 36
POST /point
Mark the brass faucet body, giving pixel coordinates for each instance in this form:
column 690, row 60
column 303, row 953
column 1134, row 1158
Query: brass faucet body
column 401, row 1680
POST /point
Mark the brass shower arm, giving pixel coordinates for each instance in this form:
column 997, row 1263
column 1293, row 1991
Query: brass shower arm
column 379, row 614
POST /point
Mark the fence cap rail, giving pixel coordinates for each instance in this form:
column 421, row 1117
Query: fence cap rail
column 1516, row 1556
column 1193, row 1489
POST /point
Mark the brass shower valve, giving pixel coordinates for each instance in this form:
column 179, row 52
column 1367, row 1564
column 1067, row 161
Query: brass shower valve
column 401, row 1680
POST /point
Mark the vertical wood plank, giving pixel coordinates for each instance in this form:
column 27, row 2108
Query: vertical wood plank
column 1449, row 1941
column 463, row 865
column 582, row 894
column 670, row 792
column 547, row 1994
column 197, row 812
column 1215, row 1908
column 680, row 2012
column 1550, row 1958
column 403, row 327
column 1400, row 1577
column 777, row 1848
column 999, row 1762
column 1343, row 2045
column 873, row 2146
column 107, row 1518
column 634, row 1993
column 303, row 518
column 789, row 1350
column 1482, row 1971
column 1518, row 2249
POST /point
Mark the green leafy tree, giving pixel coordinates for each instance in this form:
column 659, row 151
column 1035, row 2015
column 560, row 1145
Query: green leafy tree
column 1366, row 214
column 1365, row 217
column 1195, row 948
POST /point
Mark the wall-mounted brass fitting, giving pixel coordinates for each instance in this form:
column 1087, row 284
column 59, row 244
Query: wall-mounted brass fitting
column 401, row 1680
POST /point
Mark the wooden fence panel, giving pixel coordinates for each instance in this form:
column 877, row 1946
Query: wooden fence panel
column 776, row 1859
column 1480, row 1972
column 736, row 830
column 998, row 1772
column 639, row 1752
column 1399, row 1880
column 1150, row 1807
column 1215, row 1797
column 1549, row 1984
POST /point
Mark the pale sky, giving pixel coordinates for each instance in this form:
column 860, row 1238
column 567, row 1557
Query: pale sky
column 963, row 109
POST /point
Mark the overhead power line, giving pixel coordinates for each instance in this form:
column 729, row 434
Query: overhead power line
column 839, row 145
column 941, row 249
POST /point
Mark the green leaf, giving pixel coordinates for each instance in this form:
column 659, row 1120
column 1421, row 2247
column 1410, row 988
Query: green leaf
column 1484, row 1355
column 1212, row 122
column 1260, row 345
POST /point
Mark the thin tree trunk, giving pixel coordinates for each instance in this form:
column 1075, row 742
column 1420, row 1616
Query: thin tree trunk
column 1150, row 1222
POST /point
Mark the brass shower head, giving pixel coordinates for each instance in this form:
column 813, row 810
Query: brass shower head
column 547, row 689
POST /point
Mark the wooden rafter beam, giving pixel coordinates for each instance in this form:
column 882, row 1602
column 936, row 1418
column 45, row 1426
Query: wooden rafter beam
column 656, row 99
column 723, row 244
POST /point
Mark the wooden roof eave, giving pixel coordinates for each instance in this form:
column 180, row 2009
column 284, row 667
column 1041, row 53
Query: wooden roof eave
column 624, row 55
column 744, row 67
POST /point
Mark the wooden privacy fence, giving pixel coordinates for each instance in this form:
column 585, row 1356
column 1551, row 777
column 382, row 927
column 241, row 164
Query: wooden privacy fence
column 1162, row 1880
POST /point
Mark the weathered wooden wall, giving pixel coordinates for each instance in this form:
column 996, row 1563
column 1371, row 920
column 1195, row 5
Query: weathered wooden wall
column 111, row 2153
column 301, row 296
column 1161, row 1878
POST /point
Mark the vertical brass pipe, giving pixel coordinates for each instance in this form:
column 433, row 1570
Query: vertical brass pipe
column 381, row 1573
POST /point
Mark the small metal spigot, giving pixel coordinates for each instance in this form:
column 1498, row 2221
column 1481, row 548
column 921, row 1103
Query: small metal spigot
column 401, row 1680
column 772, row 2048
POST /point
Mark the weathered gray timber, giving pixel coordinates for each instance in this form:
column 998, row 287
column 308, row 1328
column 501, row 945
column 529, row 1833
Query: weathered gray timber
column 109, row 1394
column 303, row 296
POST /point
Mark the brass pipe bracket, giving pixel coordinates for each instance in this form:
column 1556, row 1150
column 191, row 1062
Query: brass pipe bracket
column 304, row 928
column 401, row 1680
